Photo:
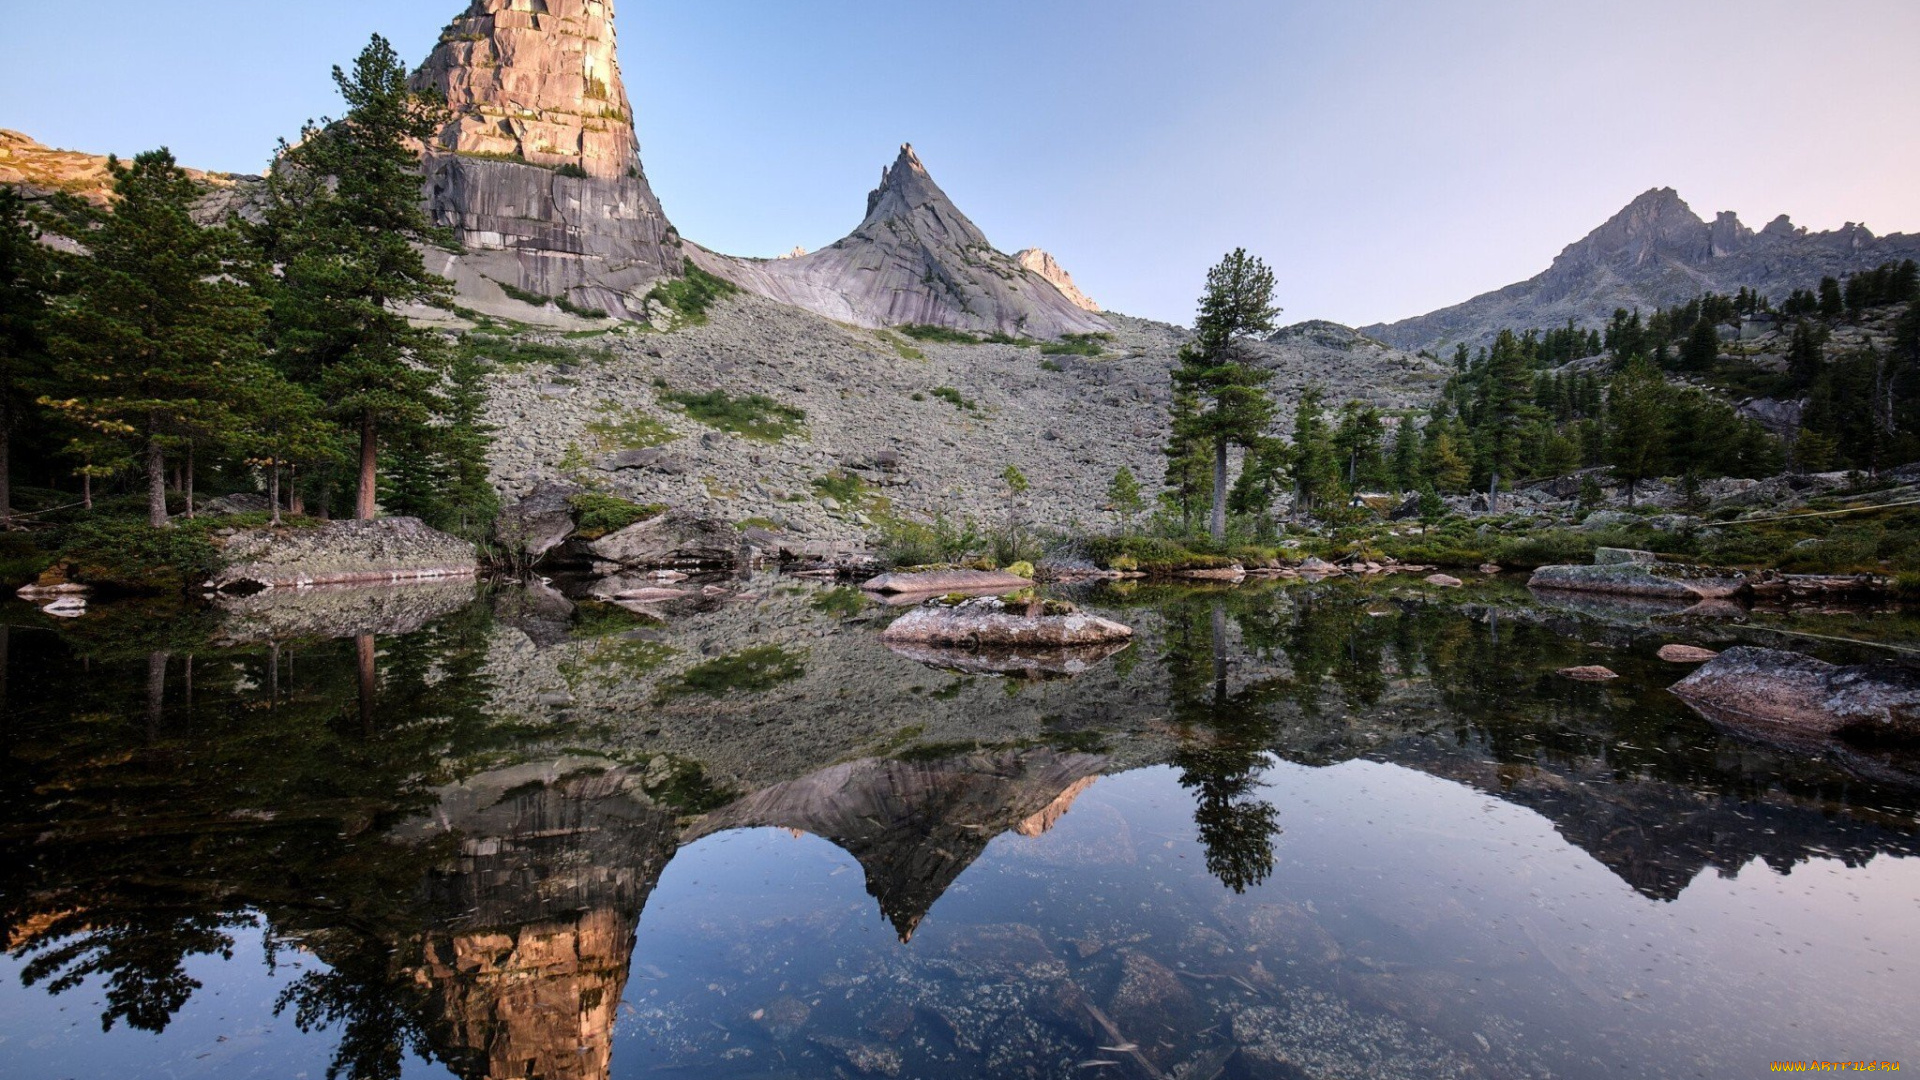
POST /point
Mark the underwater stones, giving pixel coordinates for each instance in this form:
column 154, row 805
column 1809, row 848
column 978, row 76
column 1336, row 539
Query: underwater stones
column 1588, row 673
column 1445, row 581
column 865, row 1058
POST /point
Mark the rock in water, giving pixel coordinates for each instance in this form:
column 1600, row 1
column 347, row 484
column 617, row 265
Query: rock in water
column 677, row 538
column 1668, row 581
column 389, row 550
column 916, row 259
column 1043, row 264
column 1591, row 673
column 537, row 524
column 538, row 173
column 1686, row 654
column 947, row 581
column 989, row 624
column 1787, row 693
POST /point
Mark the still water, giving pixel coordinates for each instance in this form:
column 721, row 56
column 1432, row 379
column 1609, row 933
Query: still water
column 1299, row 831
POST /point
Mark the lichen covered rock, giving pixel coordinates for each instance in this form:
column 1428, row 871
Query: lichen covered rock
column 344, row 553
column 992, row 624
column 1786, row 693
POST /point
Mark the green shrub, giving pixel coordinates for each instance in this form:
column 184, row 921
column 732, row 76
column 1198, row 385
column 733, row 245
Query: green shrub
column 952, row 397
column 899, row 542
column 22, row 558
column 690, row 297
column 754, row 416
column 842, row 603
column 942, row 334
column 1151, row 554
column 1021, row 569
column 1077, row 345
column 128, row 555
column 630, row 430
column 598, row 514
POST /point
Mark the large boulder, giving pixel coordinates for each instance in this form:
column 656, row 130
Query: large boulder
column 1660, row 581
column 1785, row 693
column 677, row 539
column 389, row 550
column 537, row 524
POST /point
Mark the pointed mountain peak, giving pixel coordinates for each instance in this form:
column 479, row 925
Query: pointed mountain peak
column 906, row 187
column 1655, row 225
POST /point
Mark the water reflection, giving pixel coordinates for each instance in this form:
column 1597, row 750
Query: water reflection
column 472, row 816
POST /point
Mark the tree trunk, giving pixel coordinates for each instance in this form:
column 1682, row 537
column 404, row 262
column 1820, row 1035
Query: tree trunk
column 189, row 481
column 273, row 493
column 156, row 690
column 1493, row 493
column 1219, row 524
column 86, row 489
column 156, row 483
column 363, row 648
column 369, row 444
column 6, row 474
column 295, row 504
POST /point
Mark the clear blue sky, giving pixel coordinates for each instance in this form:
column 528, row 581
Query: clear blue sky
column 1387, row 156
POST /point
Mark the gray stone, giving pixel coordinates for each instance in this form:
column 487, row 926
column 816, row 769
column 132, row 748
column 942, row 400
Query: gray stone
column 652, row 458
column 528, row 529
column 947, row 581
column 1657, row 580
column 1607, row 556
column 677, row 538
column 388, row 550
column 988, row 624
column 1790, row 694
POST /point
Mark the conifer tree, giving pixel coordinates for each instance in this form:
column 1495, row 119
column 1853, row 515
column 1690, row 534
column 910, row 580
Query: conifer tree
column 1832, row 303
column 1407, row 471
column 343, row 216
column 24, row 275
column 1189, row 464
column 1702, row 347
column 159, row 339
column 1123, row 495
column 1316, row 472
column 1804, row 353
column 1636, row 423
column 1232, row 405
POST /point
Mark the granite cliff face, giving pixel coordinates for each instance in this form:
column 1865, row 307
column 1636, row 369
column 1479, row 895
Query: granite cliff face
column 538, row 172
column 916, row 259
column 1042, row 263
column 1655, row 252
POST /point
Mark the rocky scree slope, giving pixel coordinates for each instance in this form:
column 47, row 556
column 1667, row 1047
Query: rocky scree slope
column 915, row 259
column 538, row 172
column 892, row 426
column 1656, row 252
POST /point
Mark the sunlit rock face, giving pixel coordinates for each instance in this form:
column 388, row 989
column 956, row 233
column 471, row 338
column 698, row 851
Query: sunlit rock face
column 1056, row 275
column 538, row 172
column 915, row 260
column 542, row 898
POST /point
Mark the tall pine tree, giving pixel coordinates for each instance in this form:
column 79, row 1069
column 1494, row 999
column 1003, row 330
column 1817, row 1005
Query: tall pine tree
column 343, row 218
column 24, row 274
column 1230, row 390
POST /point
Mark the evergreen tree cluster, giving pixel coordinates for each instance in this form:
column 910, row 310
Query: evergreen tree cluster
column 153, row 351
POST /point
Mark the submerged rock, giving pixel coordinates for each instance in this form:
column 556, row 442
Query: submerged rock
column 1785, row 693
column 990, row 624
column 1686, row 654
column 1589, row 673
column 388, row 550
column 1031, row 663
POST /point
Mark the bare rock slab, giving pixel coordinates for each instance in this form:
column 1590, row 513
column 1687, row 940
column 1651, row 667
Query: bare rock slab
column 1686, row 654
column 1663, row 581
column 1791, row 694
column 675, row 539
column 386, row 551
column 935, row 582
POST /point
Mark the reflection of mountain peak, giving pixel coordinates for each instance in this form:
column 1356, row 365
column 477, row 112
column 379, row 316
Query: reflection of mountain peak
column 915, row 827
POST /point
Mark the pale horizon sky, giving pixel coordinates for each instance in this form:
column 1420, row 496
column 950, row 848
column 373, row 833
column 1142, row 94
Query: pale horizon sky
column 1388, row 157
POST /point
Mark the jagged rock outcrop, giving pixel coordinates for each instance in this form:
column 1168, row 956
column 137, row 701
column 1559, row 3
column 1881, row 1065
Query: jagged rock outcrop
column 1655, row 252
column 37, row 169
column 916, row 259
column 1044, row 264
column 538, row 172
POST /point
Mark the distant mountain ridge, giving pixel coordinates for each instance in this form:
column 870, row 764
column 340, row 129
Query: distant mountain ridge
column 1655, row 252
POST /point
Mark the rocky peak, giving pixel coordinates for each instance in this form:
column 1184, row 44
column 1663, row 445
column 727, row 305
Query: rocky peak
column 908, row 196
column 1658, row 223
column 1782, row 228
column 535, row 81
column 1038, row 262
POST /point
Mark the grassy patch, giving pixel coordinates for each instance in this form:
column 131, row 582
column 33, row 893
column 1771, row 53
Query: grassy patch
column 1077, row 345
column 629, row 657
column 944, row 335
column 906, row 351
column 628, row 430
column 846, row 488
column 753, row 671
column 598, row 514
column 1154, row 555
column 768, row 524
column 754, row 416
column 691, row 296
column 952, row 397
